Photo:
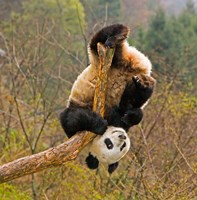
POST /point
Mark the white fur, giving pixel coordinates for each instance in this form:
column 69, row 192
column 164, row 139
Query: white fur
column 143, row 61
column 99, row 149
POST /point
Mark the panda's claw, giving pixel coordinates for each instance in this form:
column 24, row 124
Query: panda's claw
column 138, row 82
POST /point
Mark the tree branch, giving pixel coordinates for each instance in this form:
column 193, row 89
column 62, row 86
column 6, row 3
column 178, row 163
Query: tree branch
column 69, row 150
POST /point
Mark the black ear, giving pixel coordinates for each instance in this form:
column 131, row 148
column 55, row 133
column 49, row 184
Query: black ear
column 92, row 162
column 112, row 167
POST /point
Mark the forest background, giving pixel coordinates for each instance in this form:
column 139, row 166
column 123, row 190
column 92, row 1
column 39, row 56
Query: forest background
column 43, row 47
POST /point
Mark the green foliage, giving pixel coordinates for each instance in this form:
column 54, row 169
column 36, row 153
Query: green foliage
column 171, row 42
column 8, row 192
column 62, row 14
column 75, row 181
column 113, row 8
column 46, row 24
column 46, row 42
column 184, row 104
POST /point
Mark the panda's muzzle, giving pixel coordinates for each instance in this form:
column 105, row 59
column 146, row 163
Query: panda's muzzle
column 122, row 137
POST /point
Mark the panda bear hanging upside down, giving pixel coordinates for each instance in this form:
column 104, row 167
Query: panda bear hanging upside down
column 129, row 87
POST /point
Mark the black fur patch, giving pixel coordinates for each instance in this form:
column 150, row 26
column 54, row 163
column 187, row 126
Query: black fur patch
column 123, row 146
column 112, row 167
column 132, row 117
column 92, row 162
column 108, row 143
column 110, row 36
column 137, row 92
column 79, row 119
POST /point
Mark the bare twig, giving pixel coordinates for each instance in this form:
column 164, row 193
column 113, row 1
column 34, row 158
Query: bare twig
column 185, row 159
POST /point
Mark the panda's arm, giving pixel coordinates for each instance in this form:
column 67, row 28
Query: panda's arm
column 75, row 119
column 137, row 92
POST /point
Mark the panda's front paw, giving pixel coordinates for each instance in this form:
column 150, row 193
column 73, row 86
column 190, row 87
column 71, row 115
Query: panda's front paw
column 132, row 117
column 138, row 82
column 143, row 81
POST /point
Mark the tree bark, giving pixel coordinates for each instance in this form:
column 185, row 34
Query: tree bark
column 69, row 150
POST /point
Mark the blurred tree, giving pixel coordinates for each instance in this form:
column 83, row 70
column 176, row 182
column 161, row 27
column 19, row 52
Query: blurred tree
column 7, row 6
column 62, row 20
column 136, row 13
column 171, row 44
column 100, row 12
column 44, row 47
column 48, row 30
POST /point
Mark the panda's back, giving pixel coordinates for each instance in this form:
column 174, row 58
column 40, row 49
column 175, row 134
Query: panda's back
column 82, row 92
column 129, row 62
column 83, row 89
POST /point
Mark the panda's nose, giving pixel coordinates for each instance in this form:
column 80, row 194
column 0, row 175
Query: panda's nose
column 123, row 137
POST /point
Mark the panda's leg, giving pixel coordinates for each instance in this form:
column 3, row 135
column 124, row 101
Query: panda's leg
column 110, row 36
column 112, row 167
column 115, row 118
column 79, row 119
column 92, row 162
column 136, row 94
column 144, row 86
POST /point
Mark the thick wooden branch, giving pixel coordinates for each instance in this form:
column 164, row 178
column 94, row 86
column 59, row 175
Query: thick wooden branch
column 69, row 150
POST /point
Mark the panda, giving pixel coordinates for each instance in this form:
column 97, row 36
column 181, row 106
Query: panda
column 108, row 148
column 129, row 87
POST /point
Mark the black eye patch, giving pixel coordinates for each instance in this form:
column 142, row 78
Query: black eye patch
column 108, row 143
column 123, row 146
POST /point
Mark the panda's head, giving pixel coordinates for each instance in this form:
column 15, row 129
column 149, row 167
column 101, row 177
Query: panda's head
column 108, row 148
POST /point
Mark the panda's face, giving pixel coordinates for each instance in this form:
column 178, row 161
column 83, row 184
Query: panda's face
column 115, row 138
column 111, row 146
